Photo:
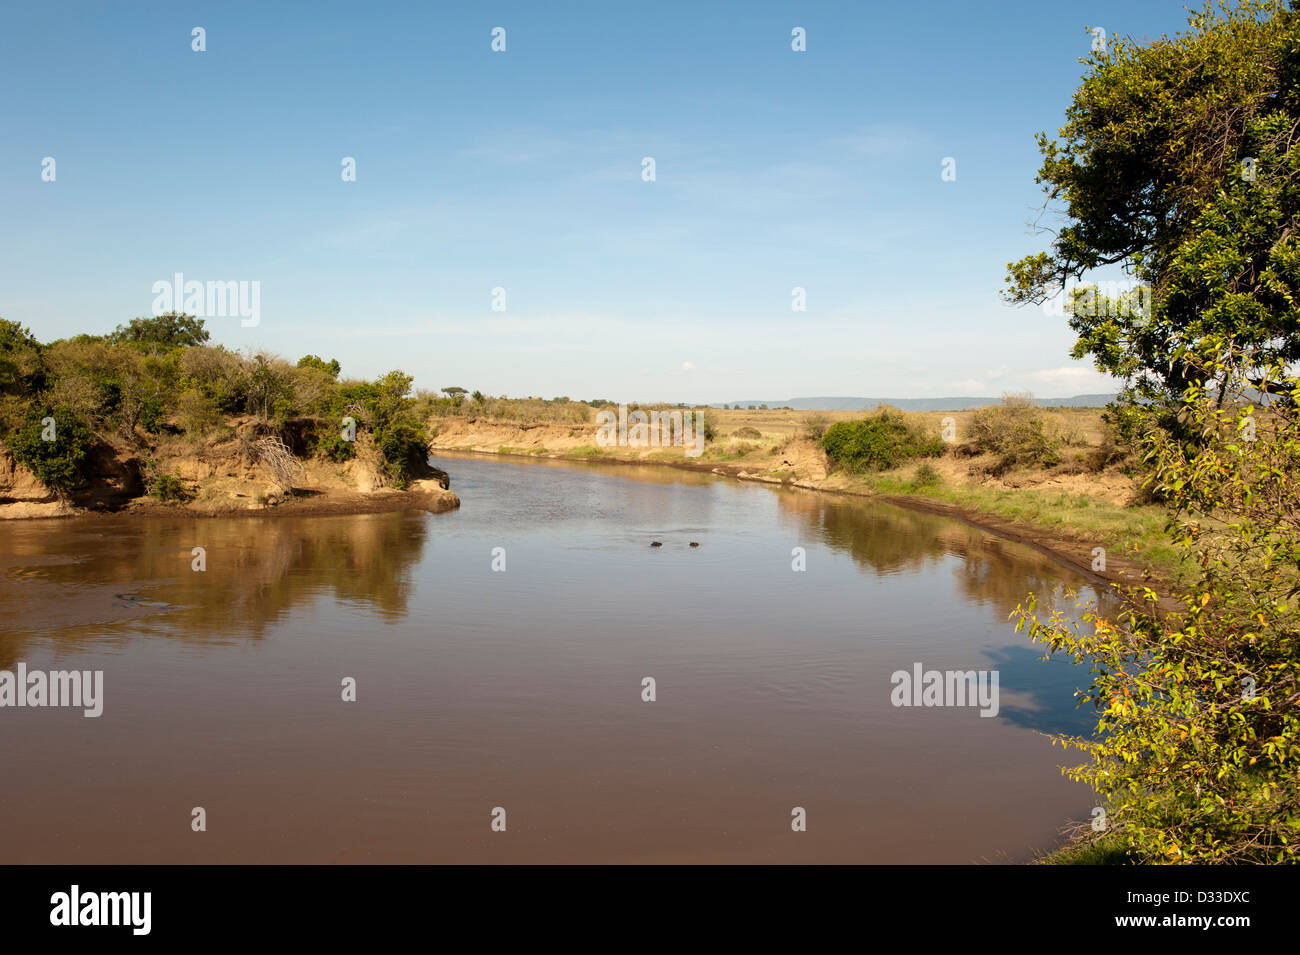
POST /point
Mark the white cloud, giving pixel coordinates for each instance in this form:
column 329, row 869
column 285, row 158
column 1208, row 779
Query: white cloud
column 1075, row 380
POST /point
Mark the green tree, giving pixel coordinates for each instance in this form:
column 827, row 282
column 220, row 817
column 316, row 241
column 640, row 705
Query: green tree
column 331, row 367
column 169, row 330
column 385, row 407
column 145, row 388
column 270, row 388
column 22, row 372
column 1178, row 165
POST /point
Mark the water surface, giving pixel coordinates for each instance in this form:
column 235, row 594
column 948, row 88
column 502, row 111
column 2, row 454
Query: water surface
column 522, row 689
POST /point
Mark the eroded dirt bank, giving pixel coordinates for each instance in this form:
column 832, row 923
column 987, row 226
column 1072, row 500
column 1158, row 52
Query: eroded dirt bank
column 217, row 481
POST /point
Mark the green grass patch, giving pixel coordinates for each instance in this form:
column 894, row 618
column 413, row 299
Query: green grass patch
column 1103, row 850
column 1133, row 532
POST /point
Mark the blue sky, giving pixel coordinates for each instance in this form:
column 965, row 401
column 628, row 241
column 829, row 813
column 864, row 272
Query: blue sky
column 522, row 170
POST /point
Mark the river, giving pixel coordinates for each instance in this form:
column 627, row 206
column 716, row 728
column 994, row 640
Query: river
column 521, row 688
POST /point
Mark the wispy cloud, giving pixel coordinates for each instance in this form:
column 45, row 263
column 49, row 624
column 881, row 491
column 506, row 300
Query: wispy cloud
column 1076, row 380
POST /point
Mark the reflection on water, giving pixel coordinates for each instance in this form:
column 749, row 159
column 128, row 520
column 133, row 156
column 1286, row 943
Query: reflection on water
column 258, row 570
column 522, row 688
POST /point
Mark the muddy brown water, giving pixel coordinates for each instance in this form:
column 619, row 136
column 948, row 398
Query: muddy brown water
column 522, row 689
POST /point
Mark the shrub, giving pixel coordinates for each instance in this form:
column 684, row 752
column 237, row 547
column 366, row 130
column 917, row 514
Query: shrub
column 815, row 425
column 878, row 442
column 54, row 443
column 222, row 376
column 271, row 388
column 1198, row 734
column 197, row 413
column 1014, row 432
column 21, row 367
column 166, row 487
column 333, row 447
column 926, row 476
column 746, row 432
column 404, row 450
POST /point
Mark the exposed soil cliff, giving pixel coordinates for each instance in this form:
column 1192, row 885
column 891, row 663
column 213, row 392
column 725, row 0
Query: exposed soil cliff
column 224, row 477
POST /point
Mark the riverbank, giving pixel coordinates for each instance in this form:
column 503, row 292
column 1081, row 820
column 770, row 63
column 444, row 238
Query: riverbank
column 217, row 480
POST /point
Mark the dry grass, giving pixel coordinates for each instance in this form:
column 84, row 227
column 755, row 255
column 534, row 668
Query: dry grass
column 1081, row 424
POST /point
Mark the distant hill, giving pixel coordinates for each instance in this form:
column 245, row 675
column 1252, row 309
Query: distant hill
column 915, row 404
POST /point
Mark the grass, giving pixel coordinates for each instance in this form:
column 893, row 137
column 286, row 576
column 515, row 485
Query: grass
column 665, row 457
column 1089, row 850
column 1131, row 531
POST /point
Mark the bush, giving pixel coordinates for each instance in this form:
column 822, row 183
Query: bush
column 1198, row 734
column 166, row 487
column 332, row 447
column 271, row 388
column 21, row 367
column 157, row 375
column 1014, row 431
column 197, row 413
column 59, row 462
column 815, row 425
column 878, row 442
column 747, row 432
column 710, row 429
column 926, row 476
column 405, row 452
column 219, row 375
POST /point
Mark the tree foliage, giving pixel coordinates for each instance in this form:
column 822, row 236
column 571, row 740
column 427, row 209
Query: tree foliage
column 158, row 375
column 1177, row 164
column 55, row 444
column 1197, row 750
column 169, row 330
